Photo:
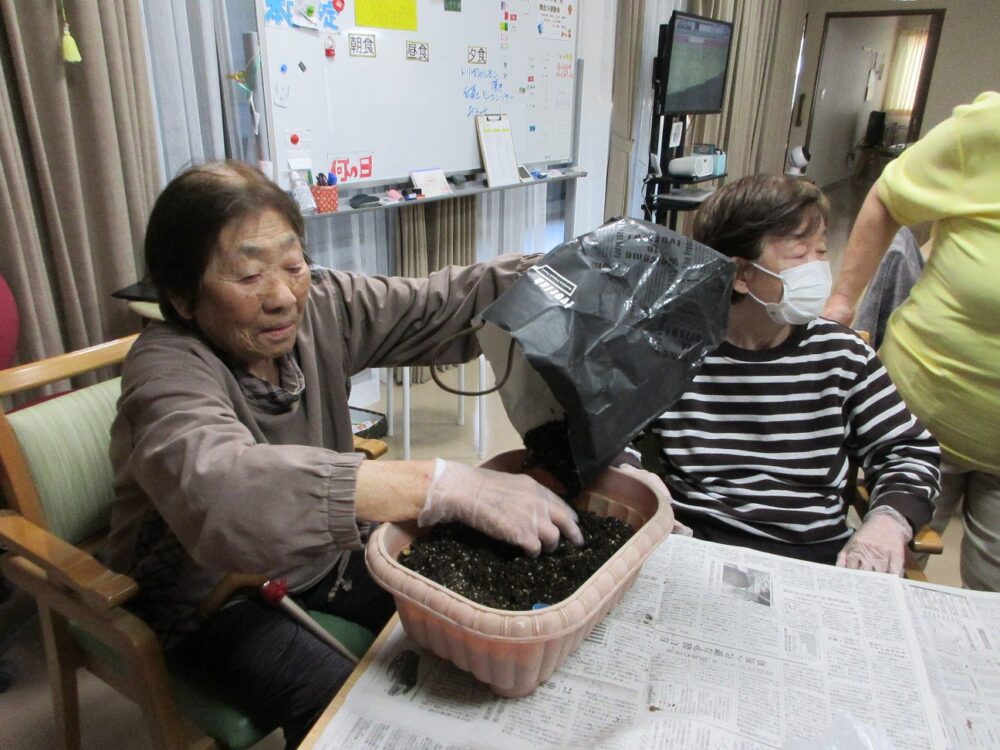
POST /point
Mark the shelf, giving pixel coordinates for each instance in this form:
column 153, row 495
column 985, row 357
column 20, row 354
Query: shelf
column 679, row 201
column 672, row 180
column 470, row 187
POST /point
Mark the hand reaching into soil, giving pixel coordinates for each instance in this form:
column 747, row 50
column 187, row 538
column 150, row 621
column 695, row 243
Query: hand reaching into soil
column 546, row 479
column 511, row 507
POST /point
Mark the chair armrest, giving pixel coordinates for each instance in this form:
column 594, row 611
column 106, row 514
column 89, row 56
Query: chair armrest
column 371, row 448
column 65, row 564
column 927, row 540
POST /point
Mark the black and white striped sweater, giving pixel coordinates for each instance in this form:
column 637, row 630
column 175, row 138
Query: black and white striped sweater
column 762, row 441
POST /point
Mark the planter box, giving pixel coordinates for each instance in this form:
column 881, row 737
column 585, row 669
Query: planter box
column 513, row 652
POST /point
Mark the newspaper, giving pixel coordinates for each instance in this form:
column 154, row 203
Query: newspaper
column 716, row 647
column 959, row 635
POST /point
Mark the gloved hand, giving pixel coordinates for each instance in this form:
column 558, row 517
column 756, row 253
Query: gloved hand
column 511, row 507
column 655, row 483
column 880, row 543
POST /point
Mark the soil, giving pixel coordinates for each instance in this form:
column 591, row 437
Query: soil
column 499, row 575
column 548, row 449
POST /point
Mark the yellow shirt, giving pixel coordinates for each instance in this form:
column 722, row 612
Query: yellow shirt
column 942, row 348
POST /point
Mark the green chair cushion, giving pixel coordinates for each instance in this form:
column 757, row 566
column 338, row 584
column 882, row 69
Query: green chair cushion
column 65, row 441
column 208, row 709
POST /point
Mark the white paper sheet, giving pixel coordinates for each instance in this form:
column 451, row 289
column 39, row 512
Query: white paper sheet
column 496, row 145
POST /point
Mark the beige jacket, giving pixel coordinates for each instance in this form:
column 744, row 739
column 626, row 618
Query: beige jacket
column 209, row 481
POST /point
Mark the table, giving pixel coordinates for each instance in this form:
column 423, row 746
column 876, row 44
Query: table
column 696, row 650
column 310, row 740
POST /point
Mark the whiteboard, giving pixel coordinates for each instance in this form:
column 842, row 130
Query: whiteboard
column 407, row 99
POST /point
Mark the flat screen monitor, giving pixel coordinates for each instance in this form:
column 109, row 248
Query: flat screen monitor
column 693, row 59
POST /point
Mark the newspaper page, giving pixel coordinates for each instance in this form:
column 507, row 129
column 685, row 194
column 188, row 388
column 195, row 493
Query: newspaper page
column 959, row 633
column 713, row 647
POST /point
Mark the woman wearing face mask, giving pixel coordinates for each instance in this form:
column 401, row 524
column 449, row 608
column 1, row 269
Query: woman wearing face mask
column 757, row 452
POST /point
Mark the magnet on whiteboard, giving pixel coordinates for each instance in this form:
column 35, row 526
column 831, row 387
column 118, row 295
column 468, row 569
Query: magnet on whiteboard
column 294, row 139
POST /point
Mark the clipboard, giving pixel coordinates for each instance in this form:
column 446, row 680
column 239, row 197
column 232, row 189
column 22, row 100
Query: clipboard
column 496, row 145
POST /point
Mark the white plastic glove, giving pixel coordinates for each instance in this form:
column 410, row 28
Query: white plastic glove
column 511, row 507
column 880, row 543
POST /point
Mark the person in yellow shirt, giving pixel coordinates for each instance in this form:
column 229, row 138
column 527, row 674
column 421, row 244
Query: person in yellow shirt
column 942, row 347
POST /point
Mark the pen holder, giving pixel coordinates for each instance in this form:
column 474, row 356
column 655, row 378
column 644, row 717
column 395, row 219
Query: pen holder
column 326, row 197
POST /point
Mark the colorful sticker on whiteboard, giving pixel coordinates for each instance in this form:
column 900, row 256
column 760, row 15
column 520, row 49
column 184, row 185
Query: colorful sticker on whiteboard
column 304, row 14
column 386, row 14
column 418, row 51
column 329, row 14
column 453, row 6
column 355, row 166
column 278, row 12
column 361, row 45
column 554, row 20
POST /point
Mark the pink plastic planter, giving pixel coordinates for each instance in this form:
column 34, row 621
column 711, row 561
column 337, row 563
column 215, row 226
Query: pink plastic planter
column 513, row 652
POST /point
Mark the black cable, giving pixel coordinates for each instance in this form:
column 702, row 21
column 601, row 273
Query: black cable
column 466, row 332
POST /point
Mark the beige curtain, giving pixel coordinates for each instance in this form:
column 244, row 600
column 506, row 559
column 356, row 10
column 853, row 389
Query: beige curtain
column 432, row 236
column 79, row 169
column 753, row 127
column 904, row 72
column 628, row 59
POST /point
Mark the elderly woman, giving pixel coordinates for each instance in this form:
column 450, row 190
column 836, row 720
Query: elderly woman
column 758, row 452
column 233, row 447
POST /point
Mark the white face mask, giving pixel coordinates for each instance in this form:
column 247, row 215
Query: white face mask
column 805, row 289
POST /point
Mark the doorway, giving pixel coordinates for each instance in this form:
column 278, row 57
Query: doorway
column 870, row 62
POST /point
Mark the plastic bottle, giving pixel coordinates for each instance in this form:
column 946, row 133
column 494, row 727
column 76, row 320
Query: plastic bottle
column 302, row 194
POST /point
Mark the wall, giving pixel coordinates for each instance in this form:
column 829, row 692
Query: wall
column 841, row 111
column 968, row 58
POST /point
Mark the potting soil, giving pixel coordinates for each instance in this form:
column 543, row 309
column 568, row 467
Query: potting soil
column 496, row 574
column 549, row 449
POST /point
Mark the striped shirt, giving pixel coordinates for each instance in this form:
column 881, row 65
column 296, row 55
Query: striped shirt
column 763, row 441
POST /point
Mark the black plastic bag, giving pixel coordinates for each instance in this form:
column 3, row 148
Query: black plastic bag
column 613, row 326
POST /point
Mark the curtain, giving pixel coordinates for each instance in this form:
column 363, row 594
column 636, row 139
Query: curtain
column 628, row 64
column 185, row 75
column 432, row 236
column 79, row 169
column 753, row 127
column 512, row 221
column 904, row 72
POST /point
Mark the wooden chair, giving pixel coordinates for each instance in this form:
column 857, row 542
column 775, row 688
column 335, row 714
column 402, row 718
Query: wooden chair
column 56, row 475
column 926, row 541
